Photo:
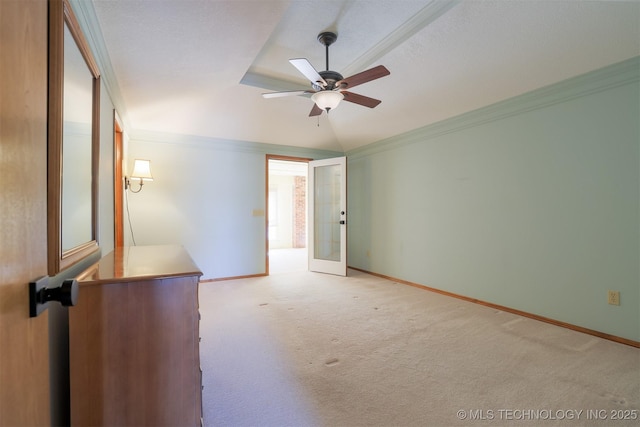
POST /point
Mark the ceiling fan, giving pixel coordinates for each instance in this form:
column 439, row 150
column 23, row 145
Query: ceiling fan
column 329, row 87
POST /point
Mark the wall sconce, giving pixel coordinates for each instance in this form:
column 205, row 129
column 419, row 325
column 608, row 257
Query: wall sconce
column 141, row 171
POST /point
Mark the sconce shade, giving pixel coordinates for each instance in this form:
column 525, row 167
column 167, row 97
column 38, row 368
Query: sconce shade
column 327, row 99
column 142, row 170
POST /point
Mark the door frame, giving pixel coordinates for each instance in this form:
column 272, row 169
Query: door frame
column 266, row 199
column 118, row 182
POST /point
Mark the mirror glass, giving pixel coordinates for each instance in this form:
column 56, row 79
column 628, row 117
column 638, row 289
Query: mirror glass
column 76, row 186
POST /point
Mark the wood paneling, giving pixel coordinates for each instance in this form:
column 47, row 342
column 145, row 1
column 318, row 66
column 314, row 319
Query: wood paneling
column 24, row 347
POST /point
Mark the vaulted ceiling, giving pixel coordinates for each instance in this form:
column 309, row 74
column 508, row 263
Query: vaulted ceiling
column 199, row 67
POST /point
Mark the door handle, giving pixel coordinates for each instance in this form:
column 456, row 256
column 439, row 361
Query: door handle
column 39, row 295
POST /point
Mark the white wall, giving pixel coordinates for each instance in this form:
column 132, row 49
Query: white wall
column 207, row 195
column 532, row 204
column 281, row 188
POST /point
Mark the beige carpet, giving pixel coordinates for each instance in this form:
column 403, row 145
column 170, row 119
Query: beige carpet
column 308, row 349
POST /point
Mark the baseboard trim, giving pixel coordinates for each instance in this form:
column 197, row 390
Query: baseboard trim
column 221, row 279
column 588, row 331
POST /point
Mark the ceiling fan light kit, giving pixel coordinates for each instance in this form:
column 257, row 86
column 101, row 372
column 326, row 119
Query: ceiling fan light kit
column 329, row 87
column 327, row 100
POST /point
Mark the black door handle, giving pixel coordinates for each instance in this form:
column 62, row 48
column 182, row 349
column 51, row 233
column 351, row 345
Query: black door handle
column 40, row 295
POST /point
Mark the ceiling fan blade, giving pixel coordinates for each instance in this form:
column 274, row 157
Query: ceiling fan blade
column 305, row 67
column 364, row 77
column 360, row 99
column 286, row 93
column 315, row 111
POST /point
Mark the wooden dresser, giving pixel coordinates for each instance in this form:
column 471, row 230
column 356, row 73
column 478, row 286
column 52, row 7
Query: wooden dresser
column 134, row 340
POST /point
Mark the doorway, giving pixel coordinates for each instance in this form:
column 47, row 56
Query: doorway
column 286, row 222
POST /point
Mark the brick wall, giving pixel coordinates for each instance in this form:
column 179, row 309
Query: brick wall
column 300, row 212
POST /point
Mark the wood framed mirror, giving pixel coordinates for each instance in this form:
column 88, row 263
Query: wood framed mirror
column 73, row 141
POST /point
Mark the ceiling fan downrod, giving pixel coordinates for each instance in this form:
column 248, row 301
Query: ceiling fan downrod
column 327, row 38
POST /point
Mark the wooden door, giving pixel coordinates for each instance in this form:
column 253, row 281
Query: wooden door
column 24, row 346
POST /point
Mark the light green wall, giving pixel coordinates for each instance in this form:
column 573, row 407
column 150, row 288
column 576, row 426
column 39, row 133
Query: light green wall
column 207, row 195
column 532, row 203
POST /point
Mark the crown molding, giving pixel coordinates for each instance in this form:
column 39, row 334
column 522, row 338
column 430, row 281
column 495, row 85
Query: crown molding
column 237, row 146
column 425, row 16
column 88, row 20
column 612, row 76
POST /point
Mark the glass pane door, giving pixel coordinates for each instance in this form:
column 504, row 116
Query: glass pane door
column 327, row 216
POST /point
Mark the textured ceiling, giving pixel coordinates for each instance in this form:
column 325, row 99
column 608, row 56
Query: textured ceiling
column 199, row 67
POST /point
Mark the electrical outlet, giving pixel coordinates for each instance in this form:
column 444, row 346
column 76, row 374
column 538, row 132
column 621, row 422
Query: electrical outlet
column 613, row 297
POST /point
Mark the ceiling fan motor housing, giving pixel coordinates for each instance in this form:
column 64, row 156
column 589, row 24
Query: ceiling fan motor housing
column 331, row 77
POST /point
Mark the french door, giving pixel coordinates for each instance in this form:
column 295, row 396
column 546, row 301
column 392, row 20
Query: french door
column 328, row 216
